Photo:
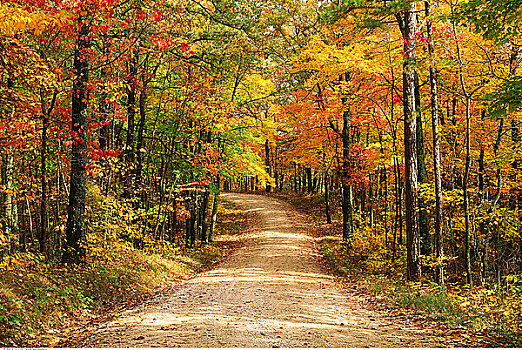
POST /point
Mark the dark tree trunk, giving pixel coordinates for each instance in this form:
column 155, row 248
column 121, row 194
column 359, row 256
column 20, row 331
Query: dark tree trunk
column 204, row 214
column 424, row 230
column 327, row 199
column 75, row 251
column 43, row 235
column 215, row 204
column 140, row 151
column 398, row 207
column 187, row 231
column 105, row 108
column 347, row 187
column 315, row 183
column 174, row 229
column 267, row 164
column 482, row 224
column 104, row 136
column 439, row 253
column 193, row 224
column 295, row 177
column 384, row 203
column 408, row 27
column 467, row 234
column 131, row 113
column 309, row 182
column 304, row 186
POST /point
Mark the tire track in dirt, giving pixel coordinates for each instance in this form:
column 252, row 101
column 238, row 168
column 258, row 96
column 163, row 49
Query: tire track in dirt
column 273, row 292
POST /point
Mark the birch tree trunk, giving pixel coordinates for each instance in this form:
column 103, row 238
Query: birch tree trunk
column 11, row 210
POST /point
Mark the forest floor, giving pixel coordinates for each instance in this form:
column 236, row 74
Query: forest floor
column 275, row 291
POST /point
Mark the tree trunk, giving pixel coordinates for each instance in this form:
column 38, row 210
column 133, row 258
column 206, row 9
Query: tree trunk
column 424, row 230
column 11, row 212
column 174, row 222
column 75, row 251
column 131, row 113
column 397, row 207
column 140, row 151
column 43, row 234
column 482, row 224
column 385, row 180
column 188, row 229
column 467, row 250
column 204, row 214
column 267, row 164
column 193, row 223
column 439, row 253
column 315, row 182
column 213, row 218
column 327, row 198
column 347, row 187
column 8, row 174
column 296, row 176
column 104, row 108
column 410, row 145
column 309, row 183
column 465, row 195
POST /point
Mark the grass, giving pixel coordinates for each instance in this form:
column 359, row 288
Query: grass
column 43, row 304
column 429, row 298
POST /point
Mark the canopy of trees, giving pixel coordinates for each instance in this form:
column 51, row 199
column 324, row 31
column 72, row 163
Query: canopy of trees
column 122, row 120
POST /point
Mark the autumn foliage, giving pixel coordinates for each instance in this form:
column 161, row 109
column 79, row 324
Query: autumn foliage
column 121, row 121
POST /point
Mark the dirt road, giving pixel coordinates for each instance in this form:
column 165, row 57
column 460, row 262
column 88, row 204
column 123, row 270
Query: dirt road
column 270, row 293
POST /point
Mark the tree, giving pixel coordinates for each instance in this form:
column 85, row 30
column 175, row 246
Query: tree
column 408, row 24
column 75, row 232
column 439, row 249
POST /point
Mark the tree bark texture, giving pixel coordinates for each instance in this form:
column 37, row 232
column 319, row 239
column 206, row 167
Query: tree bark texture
column 347, row 187
column 424, row 230
column 327, row 198
column 410, row 145
column 43, row 234
column 438, row 228
column 213, row 218
column 267, row 164
column 131, row 113
column 74, row 251
column 204, row 214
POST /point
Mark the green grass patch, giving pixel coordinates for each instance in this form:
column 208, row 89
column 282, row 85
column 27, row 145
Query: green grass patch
column 429, row 298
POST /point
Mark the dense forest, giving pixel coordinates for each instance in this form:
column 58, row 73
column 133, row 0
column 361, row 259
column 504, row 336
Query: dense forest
column 121, row 122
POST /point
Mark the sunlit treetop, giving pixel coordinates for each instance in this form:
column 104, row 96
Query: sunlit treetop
column 15, row 20
column 495, row 19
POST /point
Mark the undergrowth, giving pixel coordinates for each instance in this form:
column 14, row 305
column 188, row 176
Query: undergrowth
column 39, row 298
column 492, row 312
